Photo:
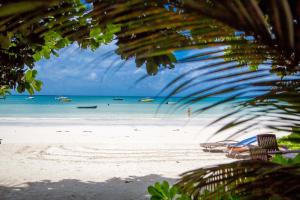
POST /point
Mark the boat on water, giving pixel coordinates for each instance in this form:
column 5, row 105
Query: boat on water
column 146, row 100
column 60, row 98
column 29, row 98
column 170, row 102
column 118, row 99
column 65, row 100
column 87, row 107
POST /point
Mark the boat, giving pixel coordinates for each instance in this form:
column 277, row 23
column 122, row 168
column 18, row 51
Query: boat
column 170, row 102
column 60, row 98
column 146, row 100
column 65, row 100
column 30, row 98
column 87, row 107
column 118, row 99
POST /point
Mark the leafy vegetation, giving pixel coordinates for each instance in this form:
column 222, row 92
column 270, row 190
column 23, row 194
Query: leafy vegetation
column 291, row 141
column 280, row 159
column 247, row 179
column 39, row 31
column 163, row 191
column 4, row 90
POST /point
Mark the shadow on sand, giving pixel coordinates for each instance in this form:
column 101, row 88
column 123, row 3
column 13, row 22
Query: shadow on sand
column 132, row 188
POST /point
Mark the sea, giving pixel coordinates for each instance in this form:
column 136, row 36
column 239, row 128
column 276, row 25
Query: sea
column 49, row 106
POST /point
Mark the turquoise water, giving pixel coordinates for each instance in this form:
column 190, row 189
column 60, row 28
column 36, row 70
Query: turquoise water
column 49, row 106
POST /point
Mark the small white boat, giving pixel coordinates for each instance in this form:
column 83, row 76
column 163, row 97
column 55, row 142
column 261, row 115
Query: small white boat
column 146, row 100
column 170, row 102
column 63, row 99
column 29, row 98
column 60, row 98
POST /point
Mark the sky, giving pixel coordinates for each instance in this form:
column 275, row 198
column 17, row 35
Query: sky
column 84, row 72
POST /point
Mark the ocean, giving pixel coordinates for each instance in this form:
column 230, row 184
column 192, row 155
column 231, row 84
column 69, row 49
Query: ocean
column 48, row 106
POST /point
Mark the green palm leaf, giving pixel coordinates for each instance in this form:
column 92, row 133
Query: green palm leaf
column 246, row 179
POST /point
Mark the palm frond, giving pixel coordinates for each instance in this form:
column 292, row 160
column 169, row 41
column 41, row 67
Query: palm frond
column 246, row 179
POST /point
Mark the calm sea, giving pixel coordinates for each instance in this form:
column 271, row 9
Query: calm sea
column 49, row 106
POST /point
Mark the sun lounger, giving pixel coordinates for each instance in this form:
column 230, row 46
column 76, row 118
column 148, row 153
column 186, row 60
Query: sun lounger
column 240, row 150
column 226, row 145
column 216, row 146
column 257, row 153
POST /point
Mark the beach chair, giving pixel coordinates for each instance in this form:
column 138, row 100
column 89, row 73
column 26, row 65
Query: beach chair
column 240, row 150
column 268, row 142
column 257, row 153
column 223, row 145
column 217, row 146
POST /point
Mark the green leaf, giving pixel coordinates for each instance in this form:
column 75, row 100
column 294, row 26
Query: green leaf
column 30, row 90
column 154, row 191
column 4, row 41
column 37, row 56
column 37, row 85
column 34, row 73
column 155, row 198
column 20, row 88
column 95, row 32
column 165, row 186
column 173, row 192
column 29, row 76
column 253, row 67
column 296, row 160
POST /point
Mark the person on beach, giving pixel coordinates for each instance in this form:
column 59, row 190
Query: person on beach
column 189, row 112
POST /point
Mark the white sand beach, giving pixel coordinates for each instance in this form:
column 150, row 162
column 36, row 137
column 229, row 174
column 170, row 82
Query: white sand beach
column 109, row 159
column 85, row 159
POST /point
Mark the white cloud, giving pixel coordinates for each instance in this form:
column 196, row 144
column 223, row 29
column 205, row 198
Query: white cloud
column 92, row 76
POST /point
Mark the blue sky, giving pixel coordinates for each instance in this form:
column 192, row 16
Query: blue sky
column 84, row 72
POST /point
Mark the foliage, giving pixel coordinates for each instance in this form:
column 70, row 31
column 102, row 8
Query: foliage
column 163, row 191
column 27, row 35
column 39, row 31
column 247, row 179
column 291, row 141
column 280, row 159
column 31, row 84
column 4, row 90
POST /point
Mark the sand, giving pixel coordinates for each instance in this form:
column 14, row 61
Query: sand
column 87, row 159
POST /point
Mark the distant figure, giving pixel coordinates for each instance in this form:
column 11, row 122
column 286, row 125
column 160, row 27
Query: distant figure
column 108, row 104
column 189, row 112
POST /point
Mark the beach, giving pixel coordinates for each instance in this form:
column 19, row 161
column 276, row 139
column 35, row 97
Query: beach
column 84, row 159
column 55, row 151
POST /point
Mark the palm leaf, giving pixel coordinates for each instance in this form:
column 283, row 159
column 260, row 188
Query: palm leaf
column 246, row 179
